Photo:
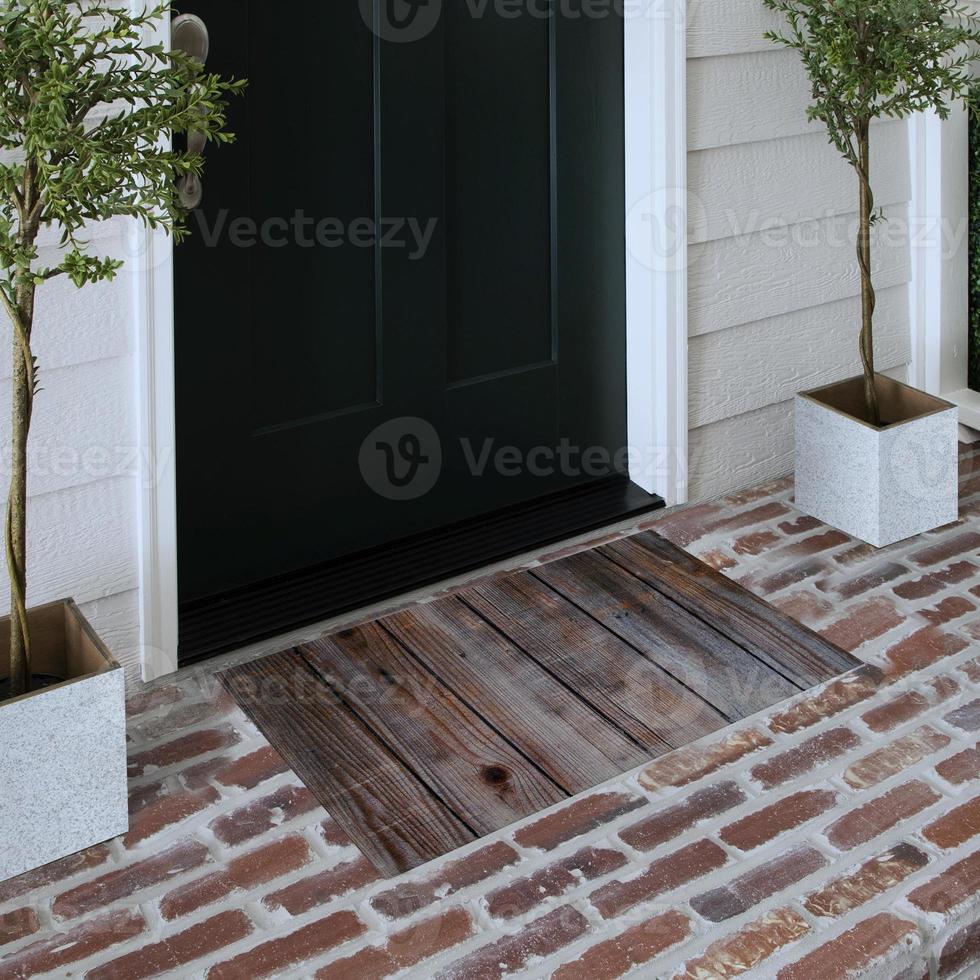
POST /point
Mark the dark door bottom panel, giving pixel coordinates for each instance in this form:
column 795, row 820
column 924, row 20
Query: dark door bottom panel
column 224, row 622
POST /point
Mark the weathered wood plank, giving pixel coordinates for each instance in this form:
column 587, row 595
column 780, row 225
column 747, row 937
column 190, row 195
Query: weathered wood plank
column 618, row 681
column 710, row 664
column 393, row 818
column 789, row 647
column 472, row 769
column 546, row 722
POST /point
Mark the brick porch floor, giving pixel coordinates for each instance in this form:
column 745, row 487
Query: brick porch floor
column 837, row 835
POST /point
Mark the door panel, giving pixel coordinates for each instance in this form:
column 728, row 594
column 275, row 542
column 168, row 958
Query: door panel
column 502, row 327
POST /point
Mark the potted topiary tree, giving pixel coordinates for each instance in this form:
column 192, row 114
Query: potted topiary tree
column 874, row 457
column 85, row 107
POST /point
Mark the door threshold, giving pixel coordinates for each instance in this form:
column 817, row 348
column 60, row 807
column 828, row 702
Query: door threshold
column 235, row 619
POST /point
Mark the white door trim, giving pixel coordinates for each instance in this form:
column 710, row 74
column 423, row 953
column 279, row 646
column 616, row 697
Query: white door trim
column 656, row 228
column 154, row 299
column 939, row 230
column 657, row 239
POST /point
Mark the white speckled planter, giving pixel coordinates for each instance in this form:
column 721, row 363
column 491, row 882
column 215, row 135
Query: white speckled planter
column 881, row 485
column 62, row 748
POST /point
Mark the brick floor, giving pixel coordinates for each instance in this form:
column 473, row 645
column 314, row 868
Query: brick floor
column 837, row 835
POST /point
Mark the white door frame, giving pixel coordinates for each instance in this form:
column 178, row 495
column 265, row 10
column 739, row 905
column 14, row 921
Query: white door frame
column 939, row 290
column 656, row 191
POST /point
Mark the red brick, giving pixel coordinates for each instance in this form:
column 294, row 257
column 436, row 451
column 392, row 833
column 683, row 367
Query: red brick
column 922, row 649
column 303, row 895
column 895, row 757
column 881, row 814
column 166, row 813
column 577, row 818
column 58, row 951
column 176, row 951
column 333, row 834
column 181, row 750
column 404, row 949
column 794, row 575
column 856, row 950
column 660, row 877
column 929, row 585
column 755, row 543
column 817, row 543
column 666, row 824
column 949, row 547
column 896, row 712
column 800, row 526
column 179, row 718
column 763, row 825
column 740, row 894
column 522, row 895
column 946, row 611
column 961, row 950
column 541, row 938
column 263, row 815
column 18, row 924
column 956, row 827
column 252, row 769
column 410, row 896
column 139, row 704
column 279, row 955
column 866, row 582
column 962, row 767
column 843, row 693
column 875, row 877
column 634, row 947
column 717, row 559
column 196, row 894
column 966, row 718
column 957, row 885
column 747, row 948
column 804, row 607
column 60, row 870
column 129, row 880
column 688, row 765
column 256, row 867
column 687, row 525
column 863, row 622
column 814, row 752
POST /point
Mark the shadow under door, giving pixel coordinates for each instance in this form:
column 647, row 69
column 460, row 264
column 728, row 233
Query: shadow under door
column 400, row 318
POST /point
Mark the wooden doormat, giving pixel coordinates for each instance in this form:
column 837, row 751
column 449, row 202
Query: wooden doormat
column 427, row 729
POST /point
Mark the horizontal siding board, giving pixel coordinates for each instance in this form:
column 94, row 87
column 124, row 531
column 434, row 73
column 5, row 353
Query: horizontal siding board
column 116, row 619
column 754, row 277
column 741, row 452
column 83, row 429
column 736, row 371
column 81, row 543
column 732, row 27
column 73, row 325
column 740, row 189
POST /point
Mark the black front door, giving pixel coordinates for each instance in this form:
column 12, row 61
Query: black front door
column 402, row 306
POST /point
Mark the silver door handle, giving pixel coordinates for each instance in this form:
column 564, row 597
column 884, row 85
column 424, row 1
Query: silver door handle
column 188, row 33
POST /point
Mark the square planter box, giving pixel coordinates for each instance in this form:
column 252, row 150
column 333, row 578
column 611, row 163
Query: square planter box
column 62, row 748
column 881, row 485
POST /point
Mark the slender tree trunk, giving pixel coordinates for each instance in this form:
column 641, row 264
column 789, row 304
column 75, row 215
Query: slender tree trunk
column 16, row 525
column 868, row 299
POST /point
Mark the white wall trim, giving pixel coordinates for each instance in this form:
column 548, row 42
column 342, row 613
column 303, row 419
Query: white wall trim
column 939, row 230
column 657, row 238
column 657, row 245
column 157, row 443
